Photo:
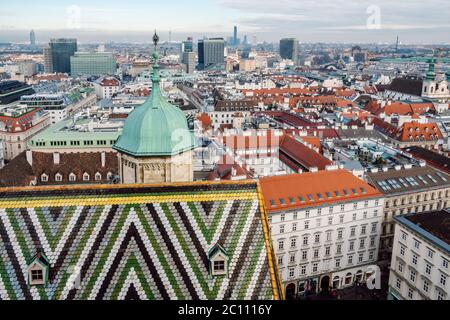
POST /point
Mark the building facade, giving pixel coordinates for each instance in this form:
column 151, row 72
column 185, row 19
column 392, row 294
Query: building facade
column 421, row 256
column 61, row 50
column 211, row 53
column 93, row 64
column 18, row 126
column 408, row 189
column 325, row 235
column 289, row 49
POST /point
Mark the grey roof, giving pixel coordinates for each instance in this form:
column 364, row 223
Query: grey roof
column 416, row 179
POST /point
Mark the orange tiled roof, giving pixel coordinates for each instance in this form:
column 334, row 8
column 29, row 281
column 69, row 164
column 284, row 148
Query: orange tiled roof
column 205, row 120
column 313, row 189
column 411, row 131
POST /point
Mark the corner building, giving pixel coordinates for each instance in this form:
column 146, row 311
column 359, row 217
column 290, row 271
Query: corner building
column 325, row 227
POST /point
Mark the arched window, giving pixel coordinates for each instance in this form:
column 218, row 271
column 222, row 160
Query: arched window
column 358, row 276
column 86, row 176
column 44, row 177
column 336, row 282
column 58, row 177
column 348, row 278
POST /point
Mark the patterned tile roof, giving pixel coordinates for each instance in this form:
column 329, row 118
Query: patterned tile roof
column 137, row 242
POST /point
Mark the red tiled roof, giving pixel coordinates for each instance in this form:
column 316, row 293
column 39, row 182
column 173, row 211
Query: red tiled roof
column 21, row 123
column 110, row 82
column 296, row 190
column 301, row 154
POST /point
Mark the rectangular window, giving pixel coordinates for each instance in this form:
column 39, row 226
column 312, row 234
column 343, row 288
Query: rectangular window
column 37, row 275
column 293, row 242
column 303, row 270
column 219, row 265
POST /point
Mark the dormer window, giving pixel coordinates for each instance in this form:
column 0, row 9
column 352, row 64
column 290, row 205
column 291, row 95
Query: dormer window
column 72, row 177
column 218, row 261
column 44, row 177
column 86, row 176
column 58, row 177
column 98, row 176
column 38, row 270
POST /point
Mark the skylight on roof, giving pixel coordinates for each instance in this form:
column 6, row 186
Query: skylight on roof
column 422, row 179
column 441, row 176
column 432, row 178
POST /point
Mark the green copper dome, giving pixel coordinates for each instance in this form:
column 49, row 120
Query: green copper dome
column 157, row 128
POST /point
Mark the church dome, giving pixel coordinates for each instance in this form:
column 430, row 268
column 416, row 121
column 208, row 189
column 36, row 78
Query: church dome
column 157, row 128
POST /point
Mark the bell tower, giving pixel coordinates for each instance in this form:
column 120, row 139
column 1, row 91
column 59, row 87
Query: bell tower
column 156, row 144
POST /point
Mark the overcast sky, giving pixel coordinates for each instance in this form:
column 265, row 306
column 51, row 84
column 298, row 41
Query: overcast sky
column 415, row 21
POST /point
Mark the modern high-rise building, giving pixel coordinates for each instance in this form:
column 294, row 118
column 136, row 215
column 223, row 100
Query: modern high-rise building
column 188, row 45
column 289, row 49
column 48, row 61
column 189, row 62
column 211, row 53
column 61, row 51
column 32, row 38
column 235, row 38
column 95, row 64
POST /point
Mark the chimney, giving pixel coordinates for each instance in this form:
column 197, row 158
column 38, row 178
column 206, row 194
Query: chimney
column 30, row 157
column 103, row 159
column 55, row 158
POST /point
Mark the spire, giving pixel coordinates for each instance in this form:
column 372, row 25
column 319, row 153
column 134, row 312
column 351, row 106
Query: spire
column 431, row 74
column 155, row 77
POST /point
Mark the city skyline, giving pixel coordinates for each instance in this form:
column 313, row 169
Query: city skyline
column 309, row 21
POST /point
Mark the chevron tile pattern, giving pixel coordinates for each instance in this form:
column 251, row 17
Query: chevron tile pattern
column 146, row 242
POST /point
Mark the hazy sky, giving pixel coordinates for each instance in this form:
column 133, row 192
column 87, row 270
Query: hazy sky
column 415, row 21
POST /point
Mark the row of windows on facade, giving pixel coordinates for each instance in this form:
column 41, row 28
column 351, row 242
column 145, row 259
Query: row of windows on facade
column 320, row 197
column 307, row 214
column 316, row 254
column 426, row 288
column 307, row 225
column 293, row 244
column 417, row 246
column 419, row 197
column 315, row 265
column 428, row 271
column 73, row 177
column 74, row 143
